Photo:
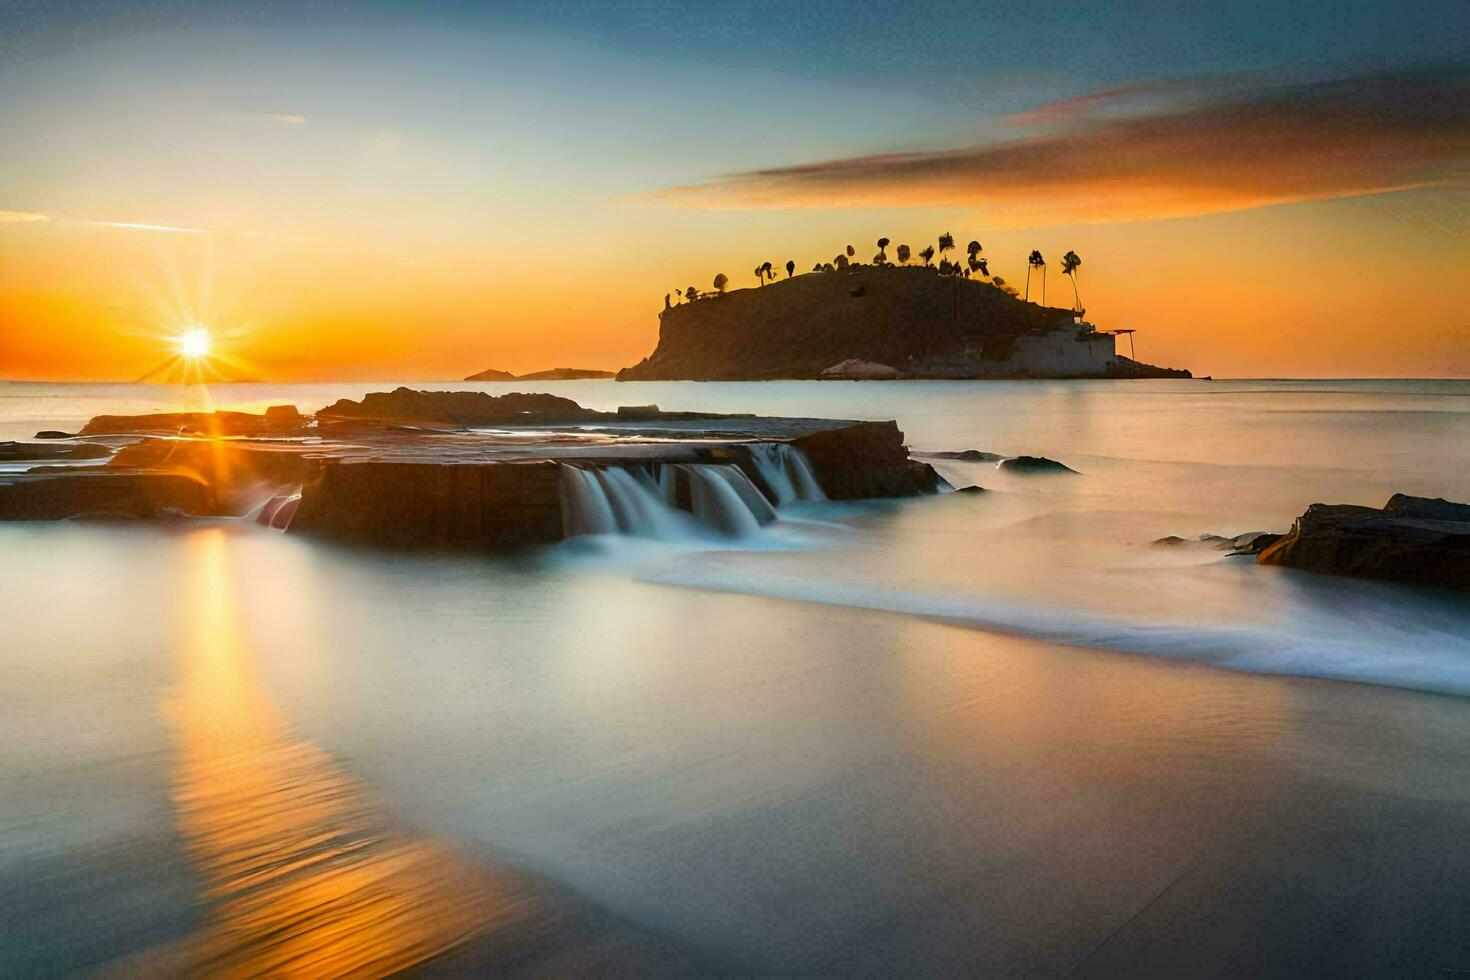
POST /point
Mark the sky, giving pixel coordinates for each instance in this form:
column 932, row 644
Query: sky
column 422, row 191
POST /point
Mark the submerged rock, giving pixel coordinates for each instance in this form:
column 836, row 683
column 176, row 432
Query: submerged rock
column 1034, row 464
column 1411, row 539
column 277, row 420
column 965, row 455
column 854, row 369
column 27, row 451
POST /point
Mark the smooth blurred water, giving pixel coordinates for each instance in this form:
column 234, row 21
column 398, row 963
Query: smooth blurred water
column 892, row 737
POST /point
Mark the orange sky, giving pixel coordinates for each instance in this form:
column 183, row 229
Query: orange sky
column 365, row 222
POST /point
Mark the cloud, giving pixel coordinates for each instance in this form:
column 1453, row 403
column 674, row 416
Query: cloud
column 135, row 226
column 1156, row 150
column 22, row 216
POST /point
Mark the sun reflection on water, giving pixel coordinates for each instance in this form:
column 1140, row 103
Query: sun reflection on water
column 304, row 871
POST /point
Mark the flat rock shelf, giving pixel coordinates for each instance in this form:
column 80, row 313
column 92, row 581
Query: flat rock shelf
column 462, row 470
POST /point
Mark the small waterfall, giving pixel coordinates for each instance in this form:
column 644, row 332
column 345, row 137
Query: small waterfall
column 629, row 500
column 785, row 469
column 638, row 507
column 584, row 505
column 717, row 502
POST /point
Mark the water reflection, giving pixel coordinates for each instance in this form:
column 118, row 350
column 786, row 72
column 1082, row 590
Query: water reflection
column 304, row 870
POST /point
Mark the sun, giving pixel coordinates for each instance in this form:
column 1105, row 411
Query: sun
column 194, row 344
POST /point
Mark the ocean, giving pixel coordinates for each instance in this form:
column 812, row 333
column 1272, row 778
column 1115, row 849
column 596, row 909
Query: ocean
column 1003, row 731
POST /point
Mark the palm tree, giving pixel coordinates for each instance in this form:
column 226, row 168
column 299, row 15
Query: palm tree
column 984, row 265
column 790, row 268
column 1035, row 261
column 882, row 256
column 928, row 254
column 946, row 242
column 721, row 281
column 1071, row 262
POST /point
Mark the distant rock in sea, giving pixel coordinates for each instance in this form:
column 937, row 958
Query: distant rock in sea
column 1034, row 465
column 1420, row 540
column 964, row 455
column 554, row 374
column 566, row 374
column 853, row 369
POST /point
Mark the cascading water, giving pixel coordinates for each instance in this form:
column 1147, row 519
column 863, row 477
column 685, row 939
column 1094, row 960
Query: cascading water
column 585, row 507
column 717, row 503
column 785, row 469
column 628, row 500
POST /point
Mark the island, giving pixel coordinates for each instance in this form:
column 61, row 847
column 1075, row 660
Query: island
column 554, row 374
column 879, row 321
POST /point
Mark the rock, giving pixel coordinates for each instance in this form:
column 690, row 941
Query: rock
column 490, row 374
column 283, row 417
column 1250, row 543
column 197, row 423
column 965, row 455
column 639, row 412
column 1412, row 539
column 566, row 374
column 853, row 369
column 235, row 470
column 866, row 459
column 54, row 434
column 972, row 488
column 26, row 451
column 102, row 493
column 1034, row 465
column 1171, row 541
column 484, row 506
column 459, row 408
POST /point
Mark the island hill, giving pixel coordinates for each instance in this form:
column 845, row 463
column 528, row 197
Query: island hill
column 554, row 374
column 848, row 320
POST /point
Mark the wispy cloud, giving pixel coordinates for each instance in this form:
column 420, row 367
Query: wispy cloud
column 22, row 216
column 136, row 226
column 1156, row 150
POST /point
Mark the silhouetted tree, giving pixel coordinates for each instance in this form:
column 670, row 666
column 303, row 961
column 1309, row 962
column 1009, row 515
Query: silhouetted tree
column 790, row 268
column 882, row 255
column 851, row 251
column 721, row 281
column 666, row 301
column 1071, row 262
column 817, row 267
column 691, row 294
column 1035, row 261
column 984, row 266
column 841, row 261
column 946, row 242
column 903, row 254
column 928, row 254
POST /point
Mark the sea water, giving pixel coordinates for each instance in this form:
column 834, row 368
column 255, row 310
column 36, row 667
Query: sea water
column 862, row 735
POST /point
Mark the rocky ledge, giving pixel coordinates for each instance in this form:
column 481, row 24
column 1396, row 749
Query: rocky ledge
column 459, row 469
column 1420, row 540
